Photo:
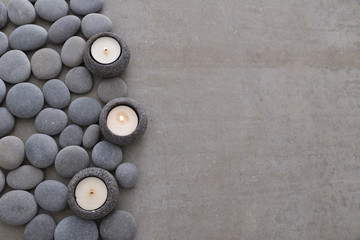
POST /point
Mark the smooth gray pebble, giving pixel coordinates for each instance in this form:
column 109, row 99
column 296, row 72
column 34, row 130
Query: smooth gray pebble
column 126, row 175
column 85, row 111
column 111, row 88
column 91, row 136
column 7, row 121
column 12, row 152
column 3, row 15
column 11, row 74
column 64, row 28
column 2, row 90
column 51, row 121
column 118, row 225
column 2, row 181
column 41, row 150
column 42, row 227
column 83, row 7
column 28, row 37
column 51, row 10
column 56, row 93
column 51, row 195
column 25, row 177
column 72, row 51
column 76, row 228
column 94, row 23
column 79, row 80
column 71, row 160
column 106, row 155
column 46, row 64
column 21, row 12
column 4, row 43
column 71, row 135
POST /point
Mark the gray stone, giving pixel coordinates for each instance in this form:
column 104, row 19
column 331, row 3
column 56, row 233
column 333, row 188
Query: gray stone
column 46, row 64
column 111, row 88
column 24, row 100
column 51, row 10
column 106, row 155
column 2, row 181
column 25, row 177
column 111, row 200
column 75, row 228
column 71, row 160
column 79, row 80
column 64, row 28
column 91, row 136
column 107, row 70
column 72, row 51
column 42, row 227
column 12, row 152
column 119, row 225
column 28, row 37
column 126, row 175
column 21, row 12
column 41, row 150
column 11, row 74
column 56, row 94
column 51, row 121
column 51, row 195
column 17, row 207
column 72, row 135
column 4, row 43
column 3, row 15
column 2, row 90
column 7, row 121
column 84, row 111
column 83, row 7
column 94, row 23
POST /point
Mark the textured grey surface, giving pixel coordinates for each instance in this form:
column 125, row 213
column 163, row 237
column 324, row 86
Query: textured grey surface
column 24, row 178
column 21, row 12
column 28, row 37
column 253, row 110
column 42, row 227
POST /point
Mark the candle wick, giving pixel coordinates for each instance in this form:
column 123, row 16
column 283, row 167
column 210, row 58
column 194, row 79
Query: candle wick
column 106, row 51
column 91, row 192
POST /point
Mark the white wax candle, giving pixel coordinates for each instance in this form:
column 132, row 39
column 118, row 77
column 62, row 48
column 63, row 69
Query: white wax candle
column 105, row 50
column 91, row 193
column 122, row 120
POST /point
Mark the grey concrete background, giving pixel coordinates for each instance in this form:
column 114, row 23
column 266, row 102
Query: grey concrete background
column 254, row 117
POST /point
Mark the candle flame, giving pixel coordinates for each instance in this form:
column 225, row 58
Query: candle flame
column 106, row 51
column 122, row 119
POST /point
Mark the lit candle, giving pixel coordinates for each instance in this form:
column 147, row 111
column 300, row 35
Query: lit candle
column 105, row 50
column 122, row 120
column 91, row 193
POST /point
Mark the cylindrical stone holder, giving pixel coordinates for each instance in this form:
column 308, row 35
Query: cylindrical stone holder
column 106, row 70
column 101, row 175
column 139, row 129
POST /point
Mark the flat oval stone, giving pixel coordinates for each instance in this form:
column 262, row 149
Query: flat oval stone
column 76, row 228
column 51, row 195
column 21, row 12
column 51, row 10
column 4, row 43
column 12, row 152
column 51, row 121
column 17, row 207
column 2, row 90
column 79, row 80
column 64, row 28
column 126, row 175
column 7, row 121
column 25, row 100
column 94, row 23
column 28, row 37
column 42, row 227
column 119, row 225
column 111, row 88
column 46, row 64
column 56, row 94
column 3, row 15
column 2, row 181
column 84, row 111
column 91, row 136
column 83, row 7
column 41, row 150
column 71, row 160
column 72, row 51
column 72, row 135
column 25, row 177
column 106, row 155
column 11, row 74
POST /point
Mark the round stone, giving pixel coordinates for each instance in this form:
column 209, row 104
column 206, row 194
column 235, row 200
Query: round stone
column 71, row 135
column 12, row 74
column 25, row 177
column 84, row 111
column 46, row 64
column 126, row 175
column 42, row 227
column 25, row 100
column 79, row 80
column 106, row 70
column 3, row 15
column 28, row 37
column 4, row 43
column 41, row 150
column 12, row 152
column 64, row 28
column 17, row 207
column 75, row 228
column 111, row 200
column 21, row 12
column 2, row 180
column 72, row 51
column 71, row 160
column 2, row 90
column 51, row 195
column 51, row 121
column 56, row 94
column 94, row 23
column 119, row 225
column 83, row 7
column 111, row 88
column 51, row 10
column 7, row 121
column 91, row 136
column 106, row 155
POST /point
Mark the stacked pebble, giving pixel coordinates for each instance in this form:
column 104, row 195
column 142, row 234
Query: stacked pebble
column 25, row 100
